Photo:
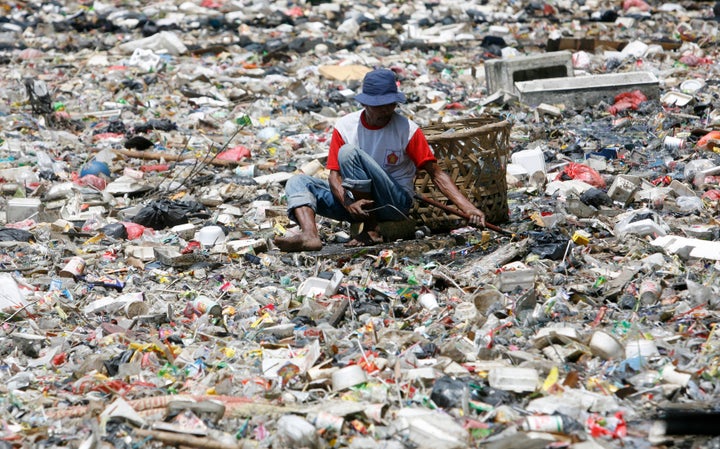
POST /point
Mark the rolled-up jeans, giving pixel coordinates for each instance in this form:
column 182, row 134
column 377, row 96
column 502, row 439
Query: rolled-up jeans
column 359, row 173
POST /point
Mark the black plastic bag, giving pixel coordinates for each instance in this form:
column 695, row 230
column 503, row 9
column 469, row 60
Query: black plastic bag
column 15, row 235
column 596, row 198
column 115, row 230
column 166, row 214
column 549, row 245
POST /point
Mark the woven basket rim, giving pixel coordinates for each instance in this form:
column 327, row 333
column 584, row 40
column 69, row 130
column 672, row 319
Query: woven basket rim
column 459, row 134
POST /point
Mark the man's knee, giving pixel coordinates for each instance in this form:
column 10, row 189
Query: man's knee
column 346, row 153
column 297, row 183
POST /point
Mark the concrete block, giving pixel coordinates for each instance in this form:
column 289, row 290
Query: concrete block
column 502, row 74
column 580, row 91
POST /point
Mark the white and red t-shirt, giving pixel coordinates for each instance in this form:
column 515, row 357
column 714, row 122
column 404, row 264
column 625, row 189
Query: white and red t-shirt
column 399, row 147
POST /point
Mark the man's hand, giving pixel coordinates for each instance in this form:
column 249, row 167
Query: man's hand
column 357, row 209
column 475, row 217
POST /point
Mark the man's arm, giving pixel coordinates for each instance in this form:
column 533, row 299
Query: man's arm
column 446, row 185
column 353, row 206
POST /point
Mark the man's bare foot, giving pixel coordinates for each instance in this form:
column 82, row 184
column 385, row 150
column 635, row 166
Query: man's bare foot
column 365, row 238
column 298, row 242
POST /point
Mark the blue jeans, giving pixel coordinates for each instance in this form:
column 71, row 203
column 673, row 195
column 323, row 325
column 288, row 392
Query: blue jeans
column 359, row 173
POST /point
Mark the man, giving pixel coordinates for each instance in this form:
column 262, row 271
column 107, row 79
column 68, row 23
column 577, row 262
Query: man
column 373, row 157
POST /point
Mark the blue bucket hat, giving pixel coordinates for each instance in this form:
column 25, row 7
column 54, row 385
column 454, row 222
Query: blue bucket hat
column 380, row 88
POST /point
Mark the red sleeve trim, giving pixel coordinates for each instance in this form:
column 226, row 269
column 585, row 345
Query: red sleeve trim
column 336, row 141
column 419, row 150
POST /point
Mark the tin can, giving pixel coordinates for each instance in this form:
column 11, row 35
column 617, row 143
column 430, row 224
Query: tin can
column 544, row 423
column 135, row 308
column 205, row 305
column 73, row 268
column 245, row 171
column 673, row 143
column 649, row 292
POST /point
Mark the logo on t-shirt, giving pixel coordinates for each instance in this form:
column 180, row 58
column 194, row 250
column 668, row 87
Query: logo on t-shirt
column 392, row 157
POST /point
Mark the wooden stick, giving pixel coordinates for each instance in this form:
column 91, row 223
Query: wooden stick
column 459, row 213
column 157, row 155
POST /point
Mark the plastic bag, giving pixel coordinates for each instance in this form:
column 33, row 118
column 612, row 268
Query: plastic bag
column 581, row 172
column 596, row 198
column 237, row 153
column 689, row 204
column 115, row 230
column 15, row 235
column 711, row 137
column 549, row 245
column 711, row 195
column 448, row 392
column 627, row 100
column 134, row 230
column 166, row 214
column 92, row 181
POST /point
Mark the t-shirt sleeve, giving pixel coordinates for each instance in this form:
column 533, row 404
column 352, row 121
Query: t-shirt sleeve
column 336, row 141
column 419, row 150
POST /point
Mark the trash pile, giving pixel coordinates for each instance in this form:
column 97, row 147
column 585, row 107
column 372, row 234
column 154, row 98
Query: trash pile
column 143, row 152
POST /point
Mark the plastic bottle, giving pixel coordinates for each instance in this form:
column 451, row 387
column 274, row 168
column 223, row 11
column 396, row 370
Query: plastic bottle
column 550, row 423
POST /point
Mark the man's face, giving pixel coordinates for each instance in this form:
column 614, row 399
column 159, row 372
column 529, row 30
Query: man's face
column 379, row 116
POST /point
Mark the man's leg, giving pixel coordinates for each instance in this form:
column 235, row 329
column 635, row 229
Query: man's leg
column 308, row 239
column 307, row 196
column 367, row 180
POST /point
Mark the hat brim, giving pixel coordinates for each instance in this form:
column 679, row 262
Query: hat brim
column 380, row 100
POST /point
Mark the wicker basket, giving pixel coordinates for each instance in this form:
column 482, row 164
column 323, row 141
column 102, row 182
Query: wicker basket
column 474, row 152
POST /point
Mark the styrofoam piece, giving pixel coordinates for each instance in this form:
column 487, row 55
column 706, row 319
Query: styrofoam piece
column 532, row 160
column 641, row 348
column 675, row 98
column 606, row 346
column 549, row 334
column 688, row 247
column 514, row 379
column 314, row 286
column 11, row 297
column 516, row 170
column 185, row 230
column 347, row 377
column 210, row 235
